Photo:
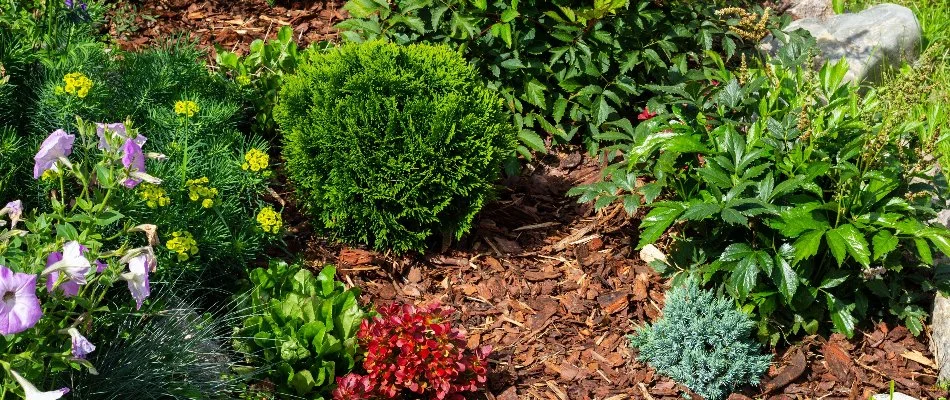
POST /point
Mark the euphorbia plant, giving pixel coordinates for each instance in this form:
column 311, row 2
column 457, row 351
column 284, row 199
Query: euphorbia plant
column 57, row 265
column 411, row 350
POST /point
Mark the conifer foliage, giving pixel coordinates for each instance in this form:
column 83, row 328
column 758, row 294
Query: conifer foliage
column 391, row 145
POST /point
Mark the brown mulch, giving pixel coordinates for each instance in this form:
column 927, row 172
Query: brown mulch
column 230, row 24
column 554, row 287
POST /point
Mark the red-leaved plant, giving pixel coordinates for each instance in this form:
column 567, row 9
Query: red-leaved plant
column 414, row 350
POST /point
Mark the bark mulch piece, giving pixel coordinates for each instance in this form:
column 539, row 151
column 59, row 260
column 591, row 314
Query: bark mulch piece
column 232, row 25
column 554, row 287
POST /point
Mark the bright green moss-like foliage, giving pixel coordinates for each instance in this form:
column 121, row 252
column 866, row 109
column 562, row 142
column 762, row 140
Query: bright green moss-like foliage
column 391, row 145
column 703, row 342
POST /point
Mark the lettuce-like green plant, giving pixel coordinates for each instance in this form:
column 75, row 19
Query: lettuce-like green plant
column 806, row 201
column 302, row 329
column 703, row 342
column 392, row 145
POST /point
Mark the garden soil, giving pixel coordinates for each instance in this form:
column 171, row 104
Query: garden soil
column 550, row 284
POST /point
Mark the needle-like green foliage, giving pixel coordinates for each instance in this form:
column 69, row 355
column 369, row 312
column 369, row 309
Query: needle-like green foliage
column 703, row 342
column 392, row 145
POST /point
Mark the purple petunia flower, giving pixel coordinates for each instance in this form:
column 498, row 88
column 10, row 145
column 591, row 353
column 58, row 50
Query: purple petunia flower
column 73, row 262
column 137, row 278
column 134, row 160
column 54, row 149
column 81, row 346
column 113, row 133
column 100, row 266
column 19, row 307
column 14, row 210
column 70, row 287
column 32, row 393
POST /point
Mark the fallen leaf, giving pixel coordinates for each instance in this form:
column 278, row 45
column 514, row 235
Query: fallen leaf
column 839, row 361
column 794, row 369
column 920, row 358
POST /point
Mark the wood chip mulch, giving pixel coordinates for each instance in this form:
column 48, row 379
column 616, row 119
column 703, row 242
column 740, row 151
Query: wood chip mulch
column 230, row 24
column 554, row 287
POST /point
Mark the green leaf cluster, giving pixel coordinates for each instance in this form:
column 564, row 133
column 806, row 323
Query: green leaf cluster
column 567, row 69
column 392, row 145
column 703, row 342
column 303, row 327
column 807, row 201
column 261, row 73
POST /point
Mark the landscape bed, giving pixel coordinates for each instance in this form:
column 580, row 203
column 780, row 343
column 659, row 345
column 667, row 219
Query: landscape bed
column 463, row 199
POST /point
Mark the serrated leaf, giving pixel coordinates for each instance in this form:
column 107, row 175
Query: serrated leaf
column 534, row 93
column 658, row 220
column 841, row 315
column 807, row 244
column 785, row 278
column 847, row 239
column 744, row 275
column 532, row 140
column 601, row 110
column 883, row 243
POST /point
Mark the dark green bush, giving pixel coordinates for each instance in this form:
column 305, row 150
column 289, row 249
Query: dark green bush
column 392, row 145
column 575, row 70
column 702, row 342
column 804, row 200
column 302, row 330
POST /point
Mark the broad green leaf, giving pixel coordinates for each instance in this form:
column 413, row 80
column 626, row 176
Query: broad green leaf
column 658, row 220
column 847, row 239
column 532, row 140
column 806, row 246
column 834, row 278
column 923, row 251
column 534, row 93
column 785, row 278
column 744, row 275
column 303, row 382
column 601, row 110
column 883, row 243
column 841, row 315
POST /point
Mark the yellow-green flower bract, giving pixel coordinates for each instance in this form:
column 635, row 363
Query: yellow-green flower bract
column 186, row 108
column 255, row 160
column 183, row 243
column 269, row 220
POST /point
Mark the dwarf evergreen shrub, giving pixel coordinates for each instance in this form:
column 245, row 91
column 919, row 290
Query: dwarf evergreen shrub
column 703, row 342
column 392, row 145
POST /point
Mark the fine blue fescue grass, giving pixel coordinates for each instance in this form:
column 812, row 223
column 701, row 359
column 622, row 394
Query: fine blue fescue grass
column 702, row 342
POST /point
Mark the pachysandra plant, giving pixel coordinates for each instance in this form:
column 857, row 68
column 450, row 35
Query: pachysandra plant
column 56, row 266
column 807, row 201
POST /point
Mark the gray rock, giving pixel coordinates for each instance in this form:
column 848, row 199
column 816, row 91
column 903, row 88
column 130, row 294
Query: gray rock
column 871, row 40
column 940, row 319
column 800, row 9
column 897, row 396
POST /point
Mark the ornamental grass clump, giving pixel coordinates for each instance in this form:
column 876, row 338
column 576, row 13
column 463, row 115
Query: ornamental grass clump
column 392, row 145
column 703, row 342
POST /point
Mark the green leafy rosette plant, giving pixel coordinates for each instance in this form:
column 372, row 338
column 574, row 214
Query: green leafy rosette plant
column 572, row 70
column 805, row 200
column 57, row 265
column 392, row 145
column 303, row 328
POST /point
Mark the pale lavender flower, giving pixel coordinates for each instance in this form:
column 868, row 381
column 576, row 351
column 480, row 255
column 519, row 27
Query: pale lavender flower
column 69, row 288
column 134, row 160
column 19, row 307
column 81, row 346
column 74, row 263
column 100, row 266
column 115, row 133
column 137, row 278
column 54, row 149
column 32, row 393
column 14, row 210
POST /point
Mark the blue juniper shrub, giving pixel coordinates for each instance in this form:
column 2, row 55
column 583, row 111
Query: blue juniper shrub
column 392, row 145
column 702, row 342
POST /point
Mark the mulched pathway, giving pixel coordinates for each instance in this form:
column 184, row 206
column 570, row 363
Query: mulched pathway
column 551, row 285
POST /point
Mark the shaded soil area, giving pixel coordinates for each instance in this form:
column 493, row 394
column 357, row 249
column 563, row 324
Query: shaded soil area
column 554, row 287
column 231, row 25
column 550, row 284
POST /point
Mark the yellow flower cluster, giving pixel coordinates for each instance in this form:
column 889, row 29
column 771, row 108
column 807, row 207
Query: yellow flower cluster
column 182, row 243
column 153, row 195
column 186, row 108
column 198, row 189
column 255, row 160
column 76, row 83
column 243, row 80
column 269, row 220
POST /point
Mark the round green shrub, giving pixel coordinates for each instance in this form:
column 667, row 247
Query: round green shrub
column 392, row 145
